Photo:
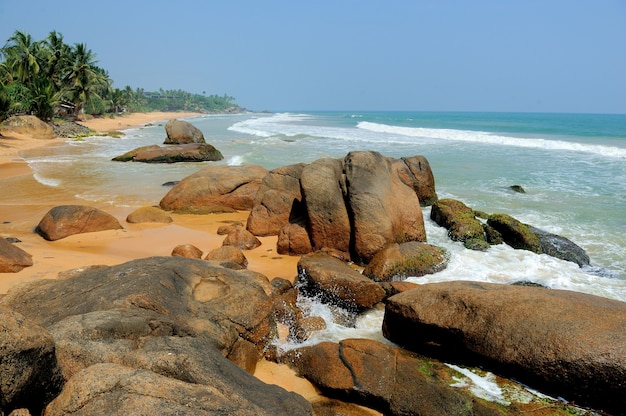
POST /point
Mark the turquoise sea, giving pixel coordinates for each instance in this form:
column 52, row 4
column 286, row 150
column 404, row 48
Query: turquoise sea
column 572, row 166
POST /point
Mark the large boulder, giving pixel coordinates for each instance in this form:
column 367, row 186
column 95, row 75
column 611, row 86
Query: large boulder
column 383, row 209
column 337, row 282
column 215, row 189
column 277, row 201
column 562, row 343
column 224, row 303
column 415, row 172
column 29, row 376
column 113, row 389
column 182, row 132
column 12, row 258
column 191, row 152
column 30, row 125
column 65, row 220
column 398, row 261
column 387, row 378
column 323, row 189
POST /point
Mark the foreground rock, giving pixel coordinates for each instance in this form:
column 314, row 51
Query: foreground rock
column 458, row 219
column 415, row 172
column 12, row 258
column 560, row 247
column 28, row 370
column 172, row 316
column 115, row 389
column 563, row 343
column 215, row 189
column 389, row 379
column 182, row 132
column 192, row 152
column 65, row 220
column 335, row 281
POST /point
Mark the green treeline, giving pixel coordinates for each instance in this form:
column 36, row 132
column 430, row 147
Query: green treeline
column 49, row 78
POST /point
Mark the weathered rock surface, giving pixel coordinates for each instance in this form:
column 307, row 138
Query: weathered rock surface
column 415, row 172
column 110, row 389
column 215, row 189
column 323, row 189
column 563, row 343
column 30, row 125
column 176, row 318
column 276, row 201
column 182, row 132
column 224, row 303
column 389, row 379
column 148, row 214
column 515, row 233
column 191, row 152
column 12, row 258
column 383, row 209
column 29, row 376
column 398, row 261
column 337, row 282
column 65, row 220
column 293, row 239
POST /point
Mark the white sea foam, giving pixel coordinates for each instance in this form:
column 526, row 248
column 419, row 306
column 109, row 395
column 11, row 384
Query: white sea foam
column 484, row 387
column 236, row 160
column 490, row 138
column 54, row 183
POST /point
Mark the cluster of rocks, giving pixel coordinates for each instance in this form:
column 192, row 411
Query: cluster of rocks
column 184, row 143
column 182, row 334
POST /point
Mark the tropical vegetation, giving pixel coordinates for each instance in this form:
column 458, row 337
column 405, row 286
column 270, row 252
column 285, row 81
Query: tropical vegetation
column 49, row 78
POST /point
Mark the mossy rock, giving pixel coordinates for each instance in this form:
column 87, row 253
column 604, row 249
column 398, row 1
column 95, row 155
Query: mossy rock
column 458, row 218
column 515, row 233
column 398, row 261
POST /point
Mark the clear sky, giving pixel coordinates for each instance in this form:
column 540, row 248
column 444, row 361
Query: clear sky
column 449, row 55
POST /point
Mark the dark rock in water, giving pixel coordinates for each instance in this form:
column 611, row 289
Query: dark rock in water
column 561, row 342
column 192, row 152
column 407, row 259
column 13, row 240
column 170, row 183
column 182, row 132
column 561, row 247
column 518, row 189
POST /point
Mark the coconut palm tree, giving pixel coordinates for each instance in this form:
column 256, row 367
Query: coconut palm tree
column 22, row 54
column 56, row 55
column 84, row 78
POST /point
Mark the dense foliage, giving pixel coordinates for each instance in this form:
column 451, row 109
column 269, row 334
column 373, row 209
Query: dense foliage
column 49, row 78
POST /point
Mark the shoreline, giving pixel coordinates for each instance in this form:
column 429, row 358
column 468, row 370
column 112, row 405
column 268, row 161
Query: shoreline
column 24, row 201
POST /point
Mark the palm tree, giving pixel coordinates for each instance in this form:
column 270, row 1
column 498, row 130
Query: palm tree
column 57, row 58
column 84, row 78
column 21, row 54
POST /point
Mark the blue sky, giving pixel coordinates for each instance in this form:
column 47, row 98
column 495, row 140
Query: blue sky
column 426, row 55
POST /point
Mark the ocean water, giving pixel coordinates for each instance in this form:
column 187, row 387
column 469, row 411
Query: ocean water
column 572, row 166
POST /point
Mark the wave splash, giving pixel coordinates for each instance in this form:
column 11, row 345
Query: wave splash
column 491, row 138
